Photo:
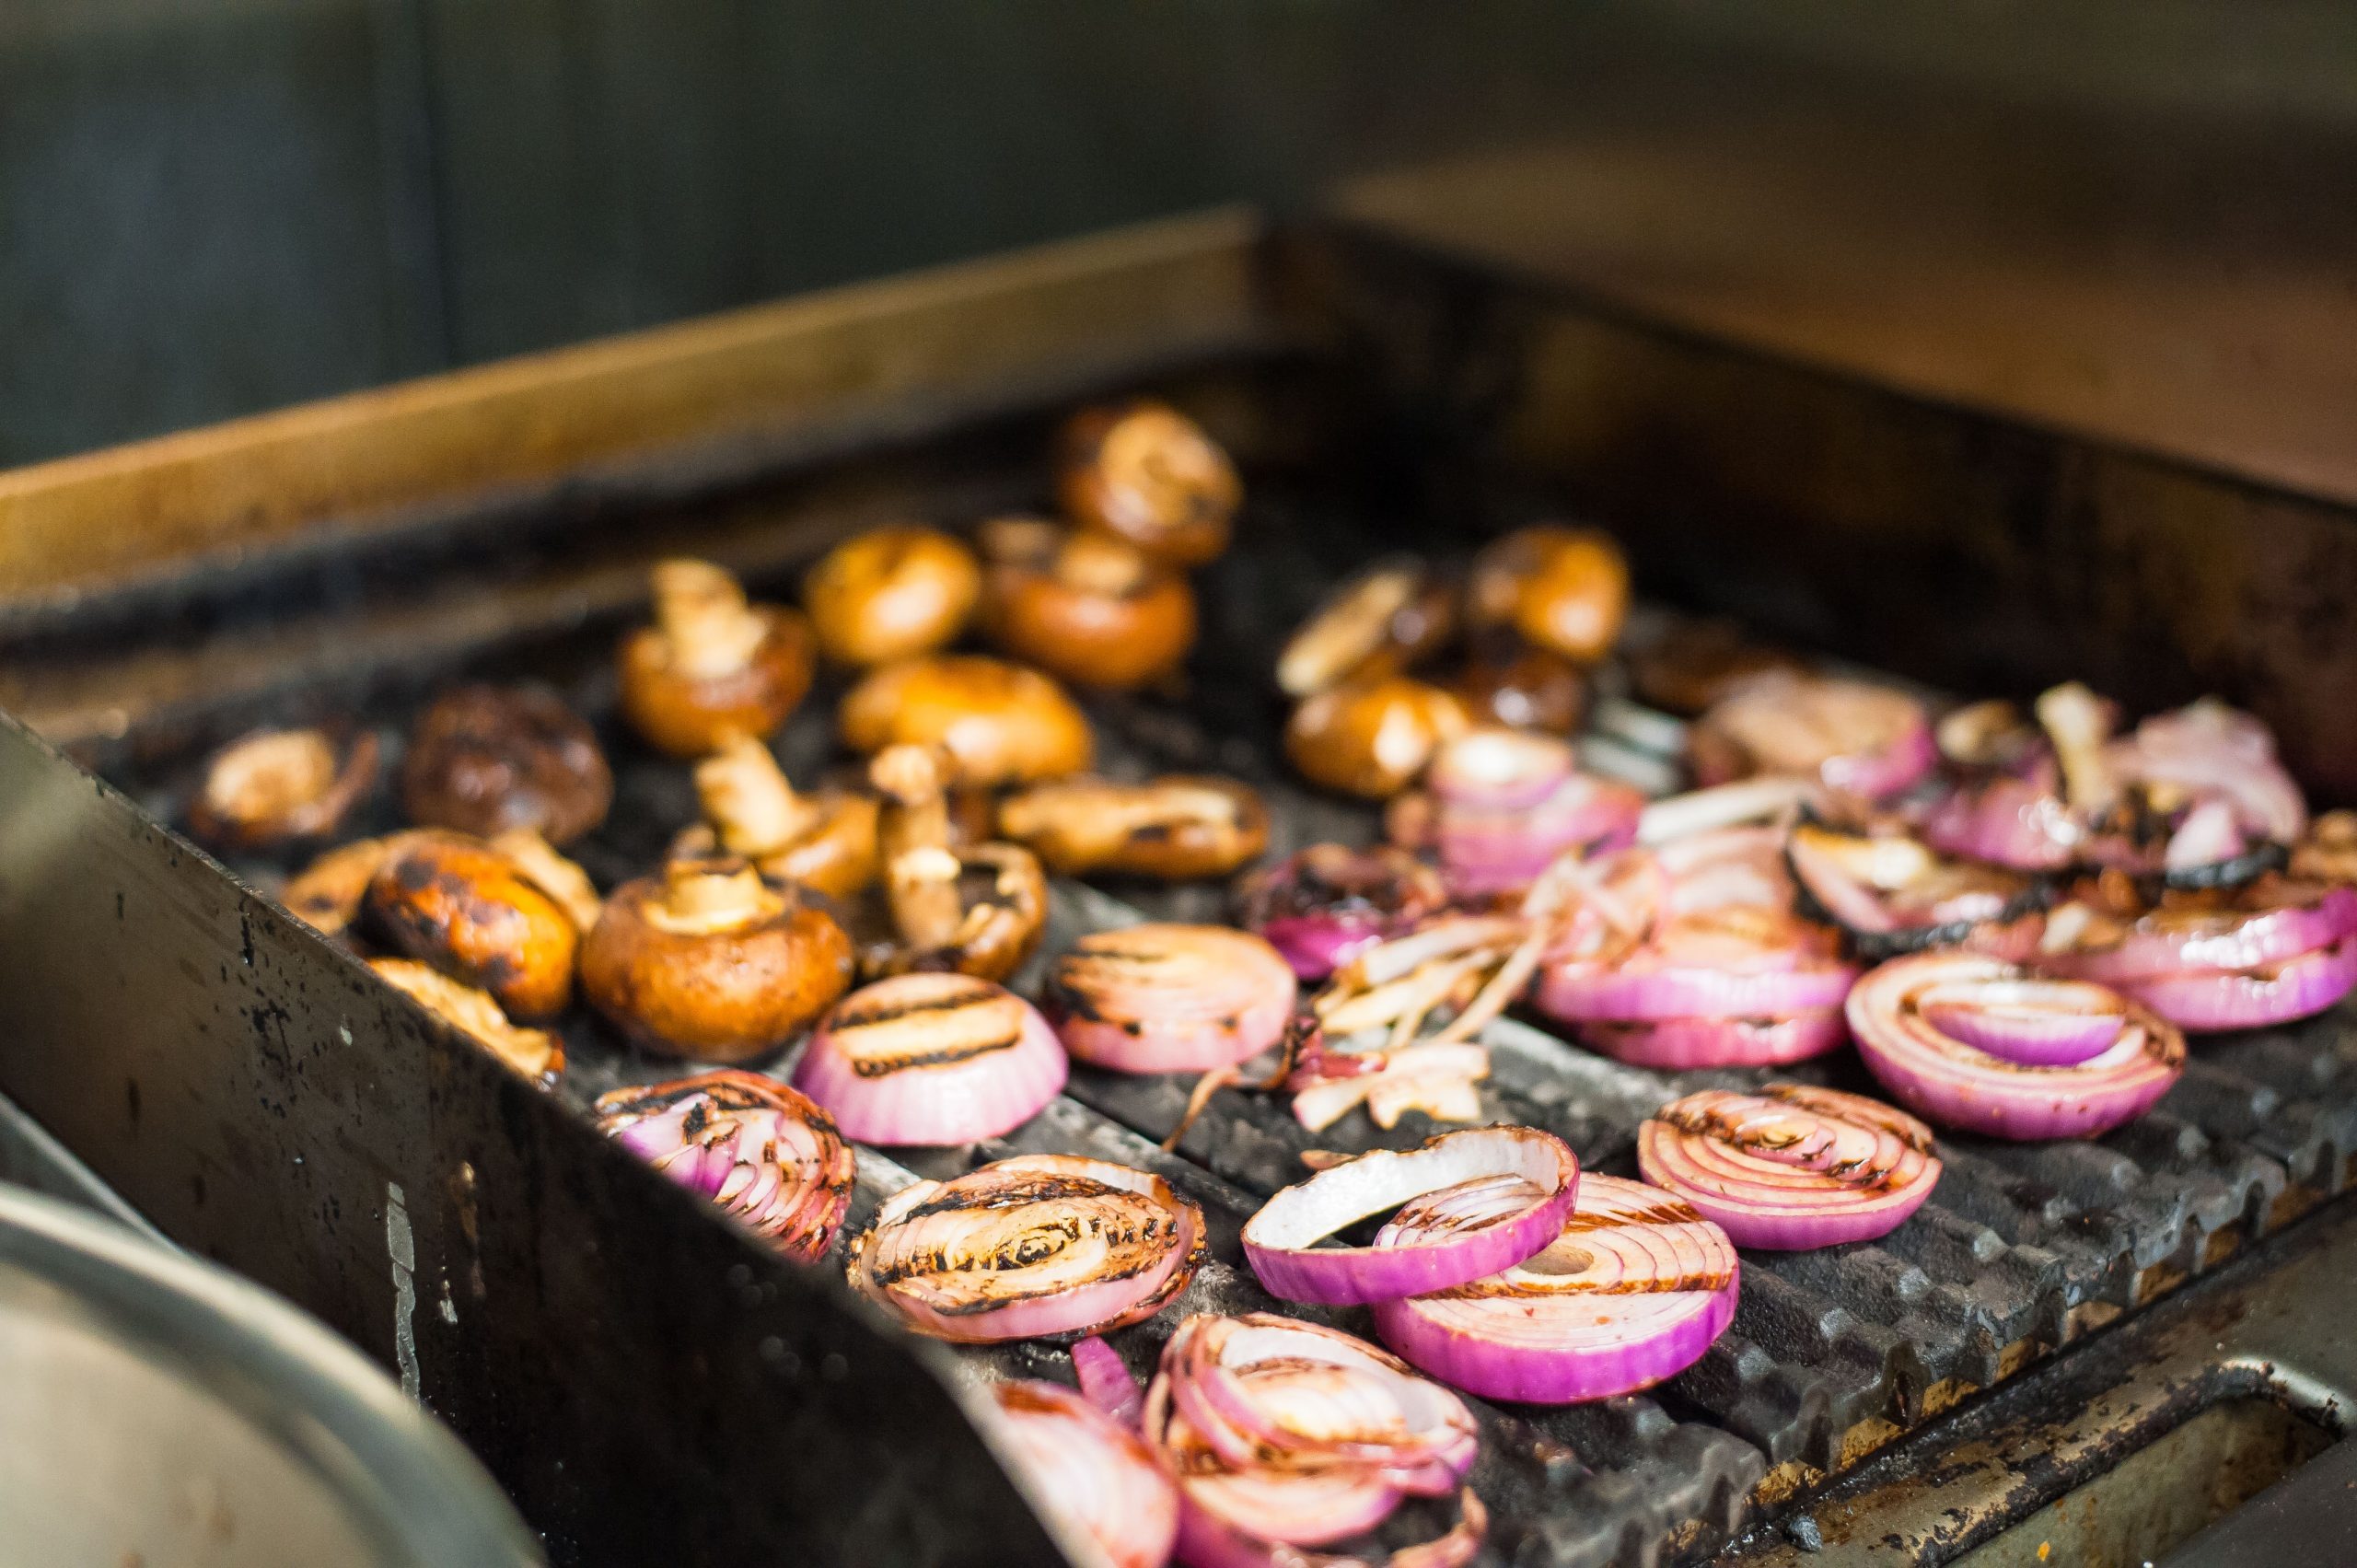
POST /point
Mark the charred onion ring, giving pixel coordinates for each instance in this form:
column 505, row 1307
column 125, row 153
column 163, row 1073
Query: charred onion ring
column 1634, row 1291
column 1792, row 1166
column 1495, row 1196
column 1090, row 1473
column 1037, row 1247
column 768, row 1156
column 1326, row 904
column 1962, row 1085
column 1165, row 998
column 931, row 1059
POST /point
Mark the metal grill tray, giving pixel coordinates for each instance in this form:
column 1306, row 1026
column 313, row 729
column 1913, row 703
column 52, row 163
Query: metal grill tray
column 1831, row 1354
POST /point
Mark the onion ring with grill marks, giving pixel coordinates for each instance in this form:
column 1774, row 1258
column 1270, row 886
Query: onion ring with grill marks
column 1163, row 998
column 1792, row 1166
column 762, row 1151
column 932, row 1058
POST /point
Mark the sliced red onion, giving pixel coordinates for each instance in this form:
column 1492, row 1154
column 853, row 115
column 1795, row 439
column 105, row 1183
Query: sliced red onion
column 1039, row 1246
column 1090, row 1473
column 1634, row 1289
column 1735, row 962
column 1859, row 740
column 2208, row 747
column 762, row 1151
column 931, row 1059
column 1506, row 803
column 2038, row 1023
column 2206, row 1001
column 1169, row 998
column 1746, row 802
column 1326, row 904
column 1725, row 866
column 1493, row 1196
column 1890, row 894
column 1500, row 768
column 1206, row 1541
column 1105, row 1383
column 1685, row 1045
column 2273, row 921
column 1959, row 1085
column 2210, row 835
column 1792, row 1167
column 1440, row 1080
column 2006, row 821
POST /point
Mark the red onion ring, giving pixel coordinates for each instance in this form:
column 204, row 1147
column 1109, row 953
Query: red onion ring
column 2006, row 821
column 2208, row 1001
column 1683, row 1045
column 1859, row 740
column 1634, row 1291
column 1791, row 1167
column 1732, row 962
column 2039, row 1023
column 1089, row 1472
column 1495, row 1195
column 1039, row 1247
column 762, row 1151
column 2208, row 747
column 2275, row 920
column 1506, row 803
column 931, row 1059
column 1326, row 904
column 1441, row 1080
column 1961, row 1085
column 1169, row 998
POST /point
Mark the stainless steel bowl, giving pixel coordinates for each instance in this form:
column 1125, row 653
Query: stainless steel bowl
column 163, row 1413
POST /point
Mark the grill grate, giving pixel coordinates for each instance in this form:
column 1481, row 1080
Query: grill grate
column 1832, row 1354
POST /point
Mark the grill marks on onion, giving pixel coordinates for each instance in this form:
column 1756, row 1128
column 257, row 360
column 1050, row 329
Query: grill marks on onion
column 1792, row 1167
column 757, row 1149
column 886, row 1035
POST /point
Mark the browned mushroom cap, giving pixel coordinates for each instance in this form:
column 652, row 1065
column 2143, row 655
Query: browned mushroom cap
column 1001, row 723
column 825, row 842
column 486, row 758
column 1382, row 621
column 1372, row 738
column 276, row 785
column 1505, row 681
column 1085, row 606
column 326, row 895
column 1176, row 828
column 710, row 962
column 894, row 593
column 712, row 667
column 536, row 1053
column 978, row 910
column 1146, row 473
column 1693, row 665
column 1565, row 589
column 467, row 909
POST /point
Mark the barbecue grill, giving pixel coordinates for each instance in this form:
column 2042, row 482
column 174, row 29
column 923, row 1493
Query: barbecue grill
column 644, row 1379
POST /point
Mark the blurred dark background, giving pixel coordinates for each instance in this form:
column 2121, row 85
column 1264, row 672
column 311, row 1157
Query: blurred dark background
column 209, row 207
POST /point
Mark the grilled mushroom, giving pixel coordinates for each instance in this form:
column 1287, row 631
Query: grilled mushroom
column 1507, row 680
column 468, row 911
column 1000, row 723
column 1380, row 623
column 552, row 874
column 978, row 910
column 275, row 786
column 1372, row 738
column 536, row 1053
column 1147, row 474
column 825, row 842
column 1565, row 589
column 891, row 594
column 326, row 895
column 712, row 666
column 1692, row 666
column 1083, row 605
column 486, row 758
column 709, row 961
column 1177, row 827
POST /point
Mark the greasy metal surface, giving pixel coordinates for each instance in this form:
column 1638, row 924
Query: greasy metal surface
column 2275, row 1326
column 30, row 1158
column 626, row 1368
column 2308, row 1520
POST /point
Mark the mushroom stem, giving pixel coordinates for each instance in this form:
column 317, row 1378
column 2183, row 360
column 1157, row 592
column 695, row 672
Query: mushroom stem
column 750, row 800
column 551, row 873
column 701, row 613
column 707, row 896
column 912, row 830
column 1095, row 565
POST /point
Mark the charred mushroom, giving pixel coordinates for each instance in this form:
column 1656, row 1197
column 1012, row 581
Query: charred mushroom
column 1176, row 828
column 326, row 895
column 825, row 842
column 468, row 911
column 709, row 961
column 1382, row 621
column 1147, row 474
column 978, row 910
column 552, row 874
column 1689, row 668
column 536, row 1053
column 1083, row 605
column 712, row 667
column 1000, row 723
column 1372, row 738
column 891, row 594
column 275, row 786
column 1565, row 589
column 486, row 758
column 1507, row 680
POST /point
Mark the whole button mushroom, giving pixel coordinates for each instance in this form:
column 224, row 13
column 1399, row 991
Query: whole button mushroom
column 277, row 786
column 712, row 667
column 1507, row 680
column 461, row 906
column 891, row 594
column 1564, row 589
column 1085, row 606
column 1000, row 723
column 1146, row 474
column 1372, row 738
column 709, row 961
column 825, row 842
column 978, row 910
column 1382, row 621
column 487, row 758
column 1177, row 827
